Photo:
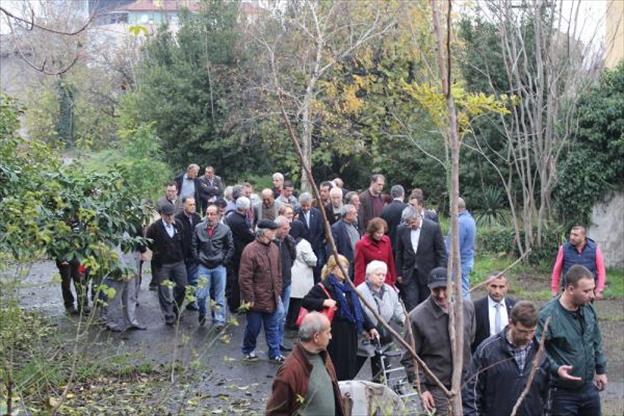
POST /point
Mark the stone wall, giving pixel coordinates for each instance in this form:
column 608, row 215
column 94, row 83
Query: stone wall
column 607, row 229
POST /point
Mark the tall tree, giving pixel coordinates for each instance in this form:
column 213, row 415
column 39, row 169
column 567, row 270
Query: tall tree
column 533, row 54
column 303, row 43
column 191, row 86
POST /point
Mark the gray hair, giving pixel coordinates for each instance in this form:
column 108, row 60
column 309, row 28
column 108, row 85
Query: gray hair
column 305, row 197
column 260, row 232
column 461, row 204
column 281, row 220
column 278, row 175
column 243, row 203
column 237, row 192
column 409, row 213
column 346, row 208
column 227, row 192
column 335, row 191
column 397, row 191
column 313, row 323
column 374, row 266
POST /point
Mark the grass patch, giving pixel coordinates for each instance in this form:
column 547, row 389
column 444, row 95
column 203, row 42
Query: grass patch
column 615, row 284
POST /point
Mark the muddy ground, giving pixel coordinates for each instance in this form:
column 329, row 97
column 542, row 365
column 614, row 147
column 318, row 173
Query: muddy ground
column 212, row 379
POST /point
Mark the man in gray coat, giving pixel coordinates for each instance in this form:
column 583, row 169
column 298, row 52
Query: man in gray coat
column 430, row 322
column 213, row 247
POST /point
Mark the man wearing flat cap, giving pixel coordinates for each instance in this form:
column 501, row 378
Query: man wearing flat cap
column 260, row 281
column 166, row 243
column 430, row 321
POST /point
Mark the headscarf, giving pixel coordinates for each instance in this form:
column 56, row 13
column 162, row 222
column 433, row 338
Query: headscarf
column 342, row 290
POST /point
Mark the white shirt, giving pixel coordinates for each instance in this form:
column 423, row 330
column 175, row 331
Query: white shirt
column 415, row 237
column 169, row 228
column 492, row 314
column 306, row 216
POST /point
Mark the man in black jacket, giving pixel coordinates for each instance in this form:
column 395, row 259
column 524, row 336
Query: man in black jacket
column 346, row 234
column 392, row 212
column 213, row 248
column 242, row 235
column 211, row 187
column 166, row 244
column 493, row 311
column 288, row 253
column 500, row 369
column 187, row 182
column 312, row 220
column 420, row 248
column 186, row 222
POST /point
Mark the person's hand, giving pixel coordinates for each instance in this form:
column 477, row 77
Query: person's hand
column 329, row 303
column 64, row 263
column 427, row 399
column 399, row 279
column 599, row 296
column 564, row 373
column 600, row 380
column 373, row 334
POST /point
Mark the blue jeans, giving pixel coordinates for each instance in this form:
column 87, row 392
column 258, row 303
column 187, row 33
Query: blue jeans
column 284, row 310
column 191, row 272
column 580, row 402
column 271, row 331
column 215, row 280
column 466, row 269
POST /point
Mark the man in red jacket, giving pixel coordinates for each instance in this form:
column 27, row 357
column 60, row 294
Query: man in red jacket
column 306, row 383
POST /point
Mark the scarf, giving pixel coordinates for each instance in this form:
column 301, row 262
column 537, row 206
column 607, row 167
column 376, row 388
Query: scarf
column 342, row 290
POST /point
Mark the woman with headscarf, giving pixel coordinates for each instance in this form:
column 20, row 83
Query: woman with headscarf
column 349, row 319
column 385, row 299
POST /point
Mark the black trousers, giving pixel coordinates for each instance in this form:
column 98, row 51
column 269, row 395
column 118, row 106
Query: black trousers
column 171, row 298
column 232, row 290
column 413, row 293
column 70, row 271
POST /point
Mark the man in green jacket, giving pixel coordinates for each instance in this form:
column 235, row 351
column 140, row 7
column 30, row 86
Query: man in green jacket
column 574, row 347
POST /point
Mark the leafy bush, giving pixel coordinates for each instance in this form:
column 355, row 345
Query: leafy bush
column 499, row 241
column 492, row 207
column 138, row 153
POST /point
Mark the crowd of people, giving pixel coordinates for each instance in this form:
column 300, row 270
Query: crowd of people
column 219, row 250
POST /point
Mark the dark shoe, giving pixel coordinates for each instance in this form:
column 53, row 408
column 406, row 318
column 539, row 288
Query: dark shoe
column 278, row 359
column 250, row 357
column 192, row 307
column 284, row 348
column 219, row 327
column 202, row 320
column 170, row 322
column 70, row 310
column 153, row 287
column 84, row 311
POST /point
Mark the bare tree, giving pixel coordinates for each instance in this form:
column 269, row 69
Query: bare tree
column 451, row 134
column 547, row 66
column 304, row 42
column 48, row 36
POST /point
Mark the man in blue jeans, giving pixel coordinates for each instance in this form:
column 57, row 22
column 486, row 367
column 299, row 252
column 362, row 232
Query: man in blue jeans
column 260, row 281
column 573, row 347
column 213, row 246
column 467, row 243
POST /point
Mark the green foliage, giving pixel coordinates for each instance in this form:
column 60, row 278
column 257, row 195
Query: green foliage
column 190, row 87
column 139, row 154
column 594, row 162
column 491, row 207
column 499, row 241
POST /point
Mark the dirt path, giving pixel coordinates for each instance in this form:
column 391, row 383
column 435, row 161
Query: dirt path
column 227, row 385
